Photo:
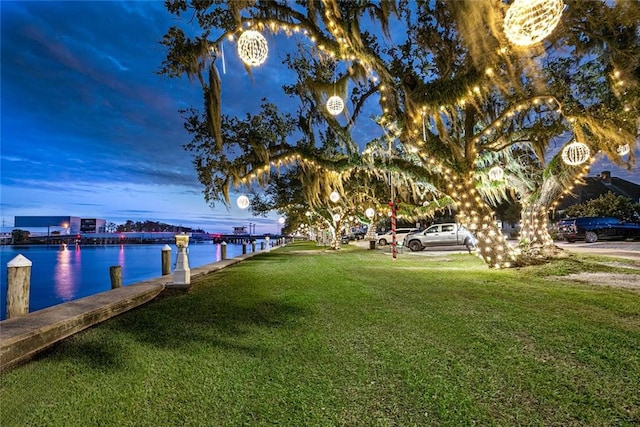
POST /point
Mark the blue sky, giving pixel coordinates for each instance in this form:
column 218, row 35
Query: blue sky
column 88, row 129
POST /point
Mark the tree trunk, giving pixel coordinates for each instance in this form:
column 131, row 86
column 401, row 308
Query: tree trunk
column 477, row 216
column 534, row 231
column 534, row 217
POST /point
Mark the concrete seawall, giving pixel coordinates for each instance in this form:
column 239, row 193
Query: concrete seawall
column 23, row 337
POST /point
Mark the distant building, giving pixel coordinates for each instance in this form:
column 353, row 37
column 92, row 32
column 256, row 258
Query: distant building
column 92, row 225
column 63, row 224
column 239, row 231
column 71, row 224
column 596, row 186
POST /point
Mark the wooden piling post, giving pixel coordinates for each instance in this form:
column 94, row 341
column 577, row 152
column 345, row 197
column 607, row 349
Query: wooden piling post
column 18, row 286
column 262, row 246
column 244, row 247
column 253, row 246
column 223, row 250
column 166, row 260
column 115, row 273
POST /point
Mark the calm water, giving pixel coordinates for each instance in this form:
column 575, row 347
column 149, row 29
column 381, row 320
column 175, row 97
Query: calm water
column 62, row 275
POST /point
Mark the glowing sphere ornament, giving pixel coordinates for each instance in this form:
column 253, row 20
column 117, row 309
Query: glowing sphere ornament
column 623, row 150
column 252, row 48
column 281, row 220
column 529, row 21
column 336, row 217
column 243, row 202
column 335, row 105
column 575, row 153
column 334, row 196
column 370, row 213
column 496, row 173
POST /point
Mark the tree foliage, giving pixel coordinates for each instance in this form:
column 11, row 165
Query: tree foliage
column 607, row 205
column 20, row 236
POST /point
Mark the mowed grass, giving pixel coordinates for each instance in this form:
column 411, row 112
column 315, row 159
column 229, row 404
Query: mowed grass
column 307, row 337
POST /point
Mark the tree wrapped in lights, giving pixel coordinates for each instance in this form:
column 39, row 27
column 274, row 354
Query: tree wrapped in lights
column 450, row 82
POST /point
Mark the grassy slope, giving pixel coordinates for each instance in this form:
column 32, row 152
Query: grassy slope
column 305, row 337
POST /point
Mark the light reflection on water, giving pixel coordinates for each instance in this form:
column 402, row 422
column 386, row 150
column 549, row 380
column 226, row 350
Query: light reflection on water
column 63, row 275
column 64, row 278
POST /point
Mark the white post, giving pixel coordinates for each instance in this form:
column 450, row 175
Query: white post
column 223, row 250
column 166, row 260
column 18, row 284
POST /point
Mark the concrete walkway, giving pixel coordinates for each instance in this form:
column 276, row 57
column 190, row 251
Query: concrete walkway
column 23, row 337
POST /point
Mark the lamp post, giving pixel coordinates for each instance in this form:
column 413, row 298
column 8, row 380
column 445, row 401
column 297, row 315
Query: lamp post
column 182, row 273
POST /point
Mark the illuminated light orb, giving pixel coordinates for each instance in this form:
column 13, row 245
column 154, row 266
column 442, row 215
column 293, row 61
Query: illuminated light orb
column 335, row 105
column 496, row 173
column 575, row 153
column 623, row 150
column 243, row 202
column 529, row 21
column 370, row 213
column 281, row 220
column 336, row 217
column 252, row 48
column 334, row 196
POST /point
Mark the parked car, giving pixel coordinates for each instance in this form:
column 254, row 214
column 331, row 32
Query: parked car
column 387, row 238
column 591, row 229
column 440, row 235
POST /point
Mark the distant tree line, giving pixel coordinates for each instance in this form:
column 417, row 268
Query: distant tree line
column 607, row 205
column 154, row 226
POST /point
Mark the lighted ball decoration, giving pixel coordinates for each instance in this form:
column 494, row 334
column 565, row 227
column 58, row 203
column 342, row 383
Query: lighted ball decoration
column 575, row 153
column 370, row 212
column 496, row 173
column 335, row 105
column 252, row 48
column 281, row 220
column 529, row 21
column 623, row 150
column 334, row 196
column 336, row 217
column 243, row 202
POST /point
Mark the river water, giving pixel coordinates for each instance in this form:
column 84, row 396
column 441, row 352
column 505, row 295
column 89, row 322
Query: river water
column 59, row 275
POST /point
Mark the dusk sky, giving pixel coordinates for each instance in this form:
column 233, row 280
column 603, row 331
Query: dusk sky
column 89, row 129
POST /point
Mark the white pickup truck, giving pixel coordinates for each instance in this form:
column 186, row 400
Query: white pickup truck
column 440, row 235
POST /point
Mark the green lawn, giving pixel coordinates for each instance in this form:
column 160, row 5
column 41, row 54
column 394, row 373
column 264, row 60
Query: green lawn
column 307, row 337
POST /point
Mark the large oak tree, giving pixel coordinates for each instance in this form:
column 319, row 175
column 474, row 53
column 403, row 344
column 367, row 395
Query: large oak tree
column 449, row 91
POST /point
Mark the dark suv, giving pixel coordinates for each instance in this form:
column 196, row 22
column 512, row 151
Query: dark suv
column 591, row 229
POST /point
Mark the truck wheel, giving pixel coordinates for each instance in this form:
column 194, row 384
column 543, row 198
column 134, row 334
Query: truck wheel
column 415, row 246
column 591, row 237
column 382, row 242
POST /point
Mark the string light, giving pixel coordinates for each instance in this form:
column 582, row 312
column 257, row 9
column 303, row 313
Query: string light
column 496, row 173
column 529, row 21
column 623, row 150
column 335, row 105
column 575, row 153
column 243, row 202
column 252, row 48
